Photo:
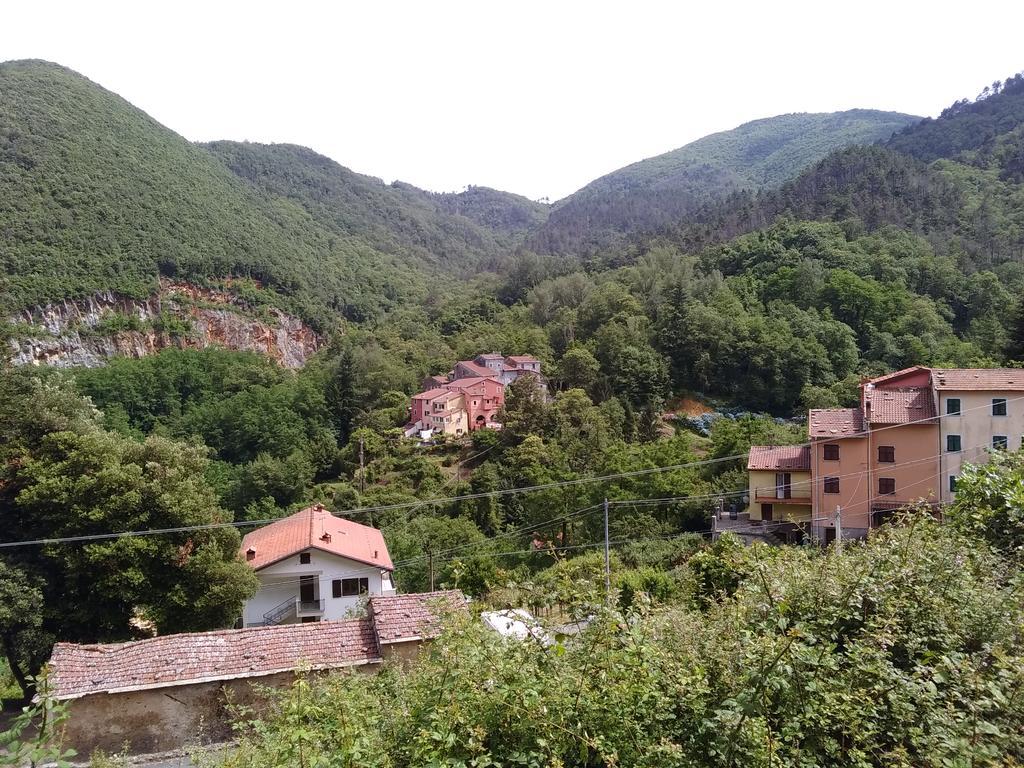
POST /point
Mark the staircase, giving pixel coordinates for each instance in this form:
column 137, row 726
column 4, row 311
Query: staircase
column 279, row 612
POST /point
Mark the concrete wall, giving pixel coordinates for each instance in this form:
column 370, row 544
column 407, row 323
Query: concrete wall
column 762, row 490
column 916, row 465
column 281, row 581
column 976, row 426
column 165, row 719
column 915, row 471
column 850, row 469
column 161, row 719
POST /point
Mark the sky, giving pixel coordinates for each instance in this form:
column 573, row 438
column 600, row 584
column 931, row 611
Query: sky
column 537, row 98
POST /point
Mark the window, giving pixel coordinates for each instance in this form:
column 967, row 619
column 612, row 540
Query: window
column 304, row 558
column 831, row 452
column 886, row 486
column 766, row 512
column 886, row 454
column 998, row 406
column 953, row 406
column 354, row 587
column 953, row 443
column 1000, row 442
column 831, row 484
column 952, row 483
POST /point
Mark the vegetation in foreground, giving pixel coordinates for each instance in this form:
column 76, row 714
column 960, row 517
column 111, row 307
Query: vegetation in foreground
column 903, row 651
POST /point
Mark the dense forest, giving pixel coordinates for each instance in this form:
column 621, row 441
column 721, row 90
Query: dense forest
column 660, row 191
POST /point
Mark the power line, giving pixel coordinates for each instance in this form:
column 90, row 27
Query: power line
column 466, row 497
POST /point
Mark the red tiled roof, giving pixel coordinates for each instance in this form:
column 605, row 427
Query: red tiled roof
column 899, row 406
column 795, row 457
column 462, row 384
column 78, row 670
column 835, row 422
column 431, row 394
column 159, row 662
column 476, row 368
column 491, row 356
column 522, row 359
column 410, row 617
column 978, row 378
column 306, row 529
column 897, row 374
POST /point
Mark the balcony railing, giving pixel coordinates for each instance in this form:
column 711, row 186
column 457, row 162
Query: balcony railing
column 782, row 494
column 309, row 607
column 293, row 606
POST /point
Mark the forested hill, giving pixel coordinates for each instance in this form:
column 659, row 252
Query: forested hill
column 957, row 180
column 95, row 195
column 661, row 191
column 463, row 229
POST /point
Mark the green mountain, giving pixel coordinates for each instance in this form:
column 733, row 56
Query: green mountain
column 957, row 180
column 460, row 230
column 97, row 196
column 660, row 191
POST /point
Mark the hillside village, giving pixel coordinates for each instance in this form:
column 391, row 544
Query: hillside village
column 715, row 462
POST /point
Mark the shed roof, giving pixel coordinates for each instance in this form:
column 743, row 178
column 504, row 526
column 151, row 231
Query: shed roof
column 770, row 457
column 187, row 659
column 399, row 618
column 316, row 528
column 159, row 662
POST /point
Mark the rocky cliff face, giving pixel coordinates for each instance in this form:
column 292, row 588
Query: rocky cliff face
column 89, row 332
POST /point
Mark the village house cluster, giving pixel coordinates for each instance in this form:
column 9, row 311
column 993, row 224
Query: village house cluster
column 903, row 444
column 469, row 397
column 326, row 600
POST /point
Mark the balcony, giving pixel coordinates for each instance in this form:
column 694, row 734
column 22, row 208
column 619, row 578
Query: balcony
column 782, row 494
column 293, row 607
column 309, row 607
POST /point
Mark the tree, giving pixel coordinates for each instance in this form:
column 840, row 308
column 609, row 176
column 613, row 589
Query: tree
column 64, row 476
column 578, row 368
column 990, row 502
column 24, row 643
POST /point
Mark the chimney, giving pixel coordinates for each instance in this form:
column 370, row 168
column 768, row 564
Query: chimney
column 326, row 537
column 250, row 554
column 375, row 554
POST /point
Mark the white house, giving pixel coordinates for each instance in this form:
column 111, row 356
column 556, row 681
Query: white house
column 313, row 566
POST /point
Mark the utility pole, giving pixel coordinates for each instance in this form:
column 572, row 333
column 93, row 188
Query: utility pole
column 607, row 558
column 362, row 469
column 839, row 527
column 430, row 559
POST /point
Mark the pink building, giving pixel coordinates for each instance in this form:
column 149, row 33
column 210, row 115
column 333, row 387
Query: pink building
column 479, row 385
column 483, row 398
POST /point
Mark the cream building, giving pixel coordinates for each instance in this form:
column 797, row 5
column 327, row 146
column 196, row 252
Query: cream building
column 980, row 409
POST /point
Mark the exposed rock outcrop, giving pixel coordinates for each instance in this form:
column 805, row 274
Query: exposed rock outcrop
column 88, row 332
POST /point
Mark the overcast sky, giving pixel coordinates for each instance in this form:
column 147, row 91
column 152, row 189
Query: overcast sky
column 532, row 97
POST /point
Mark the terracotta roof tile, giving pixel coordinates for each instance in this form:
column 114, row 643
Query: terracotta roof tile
column 899, row 406
column 408, row 617
column 432, row 394
column 522, row 359
column 315, row 527
column 793, row 457
column 476, row 368
column 77, row 670
column 835, row 422
column 978, row 378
